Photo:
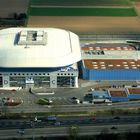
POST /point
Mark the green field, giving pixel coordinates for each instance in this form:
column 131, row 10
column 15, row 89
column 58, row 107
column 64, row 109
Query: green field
column 82, row 12
column 80, row 2
column 136, row 0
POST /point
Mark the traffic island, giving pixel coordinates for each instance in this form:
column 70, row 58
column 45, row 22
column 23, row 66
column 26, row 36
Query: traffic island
column 44, row 101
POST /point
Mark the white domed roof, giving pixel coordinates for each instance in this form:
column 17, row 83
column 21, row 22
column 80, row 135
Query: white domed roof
column 38, row 47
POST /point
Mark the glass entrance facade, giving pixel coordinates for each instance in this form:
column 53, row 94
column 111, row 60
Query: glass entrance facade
column 17, row 81
column 65, row 81
column 40, row 81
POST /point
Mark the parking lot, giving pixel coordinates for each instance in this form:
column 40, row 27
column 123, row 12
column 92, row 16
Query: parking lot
column 61, row 96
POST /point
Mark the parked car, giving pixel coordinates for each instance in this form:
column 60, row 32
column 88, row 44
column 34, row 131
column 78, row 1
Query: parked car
column 73, row 98
column 109, row 104
column 134, row 85
column 91, row 89
column 114, row 127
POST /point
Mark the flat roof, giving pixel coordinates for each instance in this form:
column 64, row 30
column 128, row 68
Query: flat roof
column 111, row 64
column 134, row 90
column 99, row 93
column 109, row 51
column 118, row 93
column 38, row 47
column 109, row 47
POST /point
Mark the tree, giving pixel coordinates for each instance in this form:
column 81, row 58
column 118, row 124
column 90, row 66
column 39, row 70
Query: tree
column 15, row 15
column 22, row 16
column 73, row 132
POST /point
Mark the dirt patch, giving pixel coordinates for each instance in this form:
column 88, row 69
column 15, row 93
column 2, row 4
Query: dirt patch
column 8, row 7
column 87, row 24
column 137, row 7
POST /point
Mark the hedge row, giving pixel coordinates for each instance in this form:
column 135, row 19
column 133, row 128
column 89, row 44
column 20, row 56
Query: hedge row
column 80, row 2
column 34, row 11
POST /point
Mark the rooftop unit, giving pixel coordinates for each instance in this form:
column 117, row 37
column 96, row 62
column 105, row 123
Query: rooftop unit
column 32, row 37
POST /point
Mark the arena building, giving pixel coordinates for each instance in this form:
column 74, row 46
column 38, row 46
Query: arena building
column 39, row 57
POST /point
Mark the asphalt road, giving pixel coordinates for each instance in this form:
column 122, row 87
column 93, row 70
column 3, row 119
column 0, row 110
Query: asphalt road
column 74, row 108
column 43, row 122
column 64, row 131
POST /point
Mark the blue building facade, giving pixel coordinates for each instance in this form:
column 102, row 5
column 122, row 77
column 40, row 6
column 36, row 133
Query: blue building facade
column 119, row 99
column 134, row 96
column 122, row 74
column 98, row 96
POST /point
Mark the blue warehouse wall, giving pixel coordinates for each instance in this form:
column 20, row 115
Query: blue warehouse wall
column 86, row 74
column 134, row 96
column 111, row 74
column 119, row 99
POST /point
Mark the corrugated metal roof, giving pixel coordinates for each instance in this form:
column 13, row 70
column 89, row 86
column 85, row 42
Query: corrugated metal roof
column 112, row 64
column 110, row 51
column 124, row 48
column 134, row 90
column 100, row 94
column 118, row 93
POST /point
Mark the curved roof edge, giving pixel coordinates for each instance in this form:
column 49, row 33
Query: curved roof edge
column 62, row 49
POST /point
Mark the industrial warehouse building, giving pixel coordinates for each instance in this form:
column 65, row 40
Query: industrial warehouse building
column 39, row 57
column 115, row 94
column 110, row 62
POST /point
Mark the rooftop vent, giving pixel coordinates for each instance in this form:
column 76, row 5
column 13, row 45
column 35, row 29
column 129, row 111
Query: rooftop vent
column 126, row 67
column 124, row 62
column 102, row 62
column 132, row 62
column 32, row 37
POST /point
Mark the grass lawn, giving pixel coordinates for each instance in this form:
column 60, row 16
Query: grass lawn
column 80, row 2
column 136, row 0
column 82, row 12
